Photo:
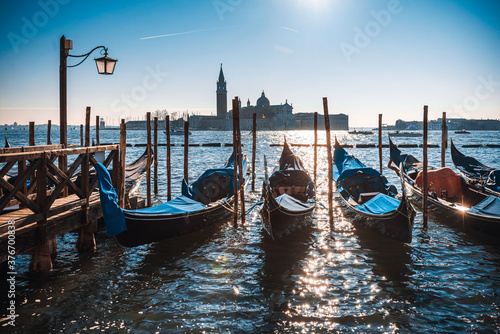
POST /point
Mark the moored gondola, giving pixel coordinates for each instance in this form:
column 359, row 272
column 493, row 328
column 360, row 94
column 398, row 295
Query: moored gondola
column 205, row 202
column 370, row 198
column 449, row 196
column 481, row 177
column 289, row 197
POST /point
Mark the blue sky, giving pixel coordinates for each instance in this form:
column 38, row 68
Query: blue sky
column 366, row 56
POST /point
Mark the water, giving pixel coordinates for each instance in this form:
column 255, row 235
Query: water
column 228, row 280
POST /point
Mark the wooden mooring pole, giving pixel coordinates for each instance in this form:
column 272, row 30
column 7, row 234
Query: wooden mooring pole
column 31, row 141
column 97, row 140
column 315, row 145
column 81, row 134
column 380, row 141
column 123, row 148
column 444, row 140
column 186, row 151
column 424, row 178
column 49, row 126
column 169, row 173
column 240, row 163
column 86, row 239
column 330, row 162
column 148, row 171
column 254, row 148
column 235, row 164
column 155, row 143
column 32, row 134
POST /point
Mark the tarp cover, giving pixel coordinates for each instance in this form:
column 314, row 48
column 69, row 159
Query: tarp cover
column 490, row 206
column 114, row 217
column 181, row 204
column 379, row 204
column 442, row 179
column 343, row 161
column 292, row 204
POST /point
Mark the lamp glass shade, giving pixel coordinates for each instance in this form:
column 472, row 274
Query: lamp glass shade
column 105, row 65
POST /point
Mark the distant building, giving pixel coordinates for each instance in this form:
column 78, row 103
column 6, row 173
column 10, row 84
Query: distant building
column 451, row 123
column 338, row 122
column 269, row 117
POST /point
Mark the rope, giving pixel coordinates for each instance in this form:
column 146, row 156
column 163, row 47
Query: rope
column 253, row 206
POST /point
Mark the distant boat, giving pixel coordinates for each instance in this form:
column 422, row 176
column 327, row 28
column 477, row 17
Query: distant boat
column 463, row 131
column 360, row 132
column 405, row 134
column 175, row 132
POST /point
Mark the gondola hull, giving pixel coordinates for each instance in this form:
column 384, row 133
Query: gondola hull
column 396, row 224
column 370, row 198
column 454, row 215
column 279, row 221
column 157, row 228
column 205, row 202
column 475, row 173
column 289, row 197
column 457, row 213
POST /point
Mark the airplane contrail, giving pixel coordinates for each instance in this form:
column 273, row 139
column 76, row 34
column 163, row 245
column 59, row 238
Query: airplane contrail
column 184, row 33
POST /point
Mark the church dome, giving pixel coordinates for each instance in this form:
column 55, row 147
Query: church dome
column 263, row 101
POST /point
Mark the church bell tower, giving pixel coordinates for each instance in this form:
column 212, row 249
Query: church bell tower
column 221, row 96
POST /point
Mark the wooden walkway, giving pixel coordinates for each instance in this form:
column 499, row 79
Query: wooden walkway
column 40, row 188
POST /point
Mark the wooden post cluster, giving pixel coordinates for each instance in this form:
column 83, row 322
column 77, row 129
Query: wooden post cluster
column 169, row 174
column 254, row 148
column 424, row 178
column 148, row 170
column 330, row 162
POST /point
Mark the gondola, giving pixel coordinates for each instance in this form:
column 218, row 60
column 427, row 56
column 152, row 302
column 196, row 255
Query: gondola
column 481, row 177
column 205, row 202
column 289, row 197
column 370, row 198
column 449, row 196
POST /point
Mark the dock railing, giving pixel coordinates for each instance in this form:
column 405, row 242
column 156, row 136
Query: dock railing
column 39, row 186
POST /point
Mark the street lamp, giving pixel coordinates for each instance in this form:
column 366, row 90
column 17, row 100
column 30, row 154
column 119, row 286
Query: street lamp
column 105, row 65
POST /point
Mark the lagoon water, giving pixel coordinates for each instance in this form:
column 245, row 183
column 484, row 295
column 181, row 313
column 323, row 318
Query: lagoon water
column 227, row 280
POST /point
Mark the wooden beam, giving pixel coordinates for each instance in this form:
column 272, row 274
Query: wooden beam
column 148, row 170
column 424, row 178
column 330, row 162
column 155, row 157
column 254, row 148
column 169, row 172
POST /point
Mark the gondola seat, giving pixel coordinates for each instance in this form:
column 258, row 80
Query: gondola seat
column 445, row 182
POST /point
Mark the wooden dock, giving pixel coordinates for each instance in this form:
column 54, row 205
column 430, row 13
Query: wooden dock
column 51, row 202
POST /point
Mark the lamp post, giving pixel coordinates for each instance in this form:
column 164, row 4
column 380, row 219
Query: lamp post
column 105, row 65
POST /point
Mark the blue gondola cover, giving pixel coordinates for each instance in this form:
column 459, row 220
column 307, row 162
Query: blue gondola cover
column 490, row 206
column 379, row 204
column 113, row 214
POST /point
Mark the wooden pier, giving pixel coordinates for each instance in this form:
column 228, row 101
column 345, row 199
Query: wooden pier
column 44, row 212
